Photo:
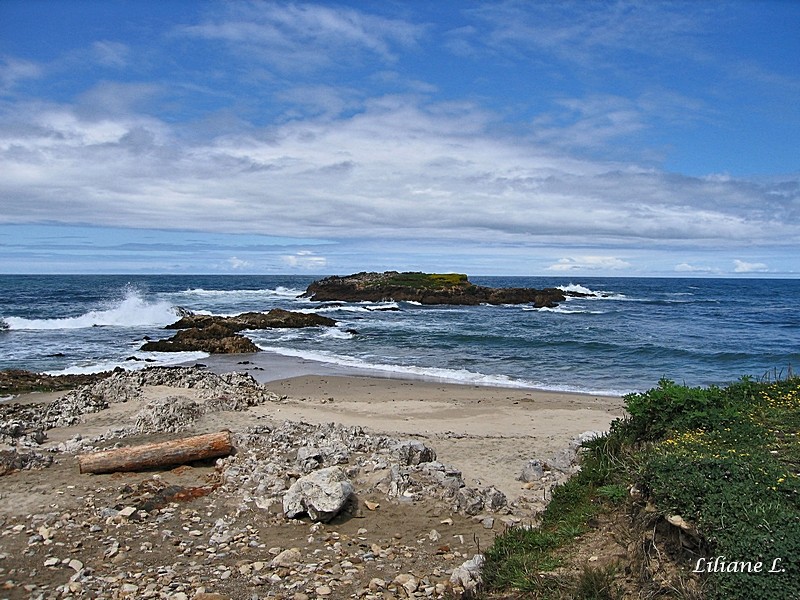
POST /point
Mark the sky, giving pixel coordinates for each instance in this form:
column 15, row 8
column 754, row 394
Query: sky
column 571, row 139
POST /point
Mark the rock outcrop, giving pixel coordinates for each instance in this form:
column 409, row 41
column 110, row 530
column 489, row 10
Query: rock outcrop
column 321, row 495
column 450, row 288
column 219, row 335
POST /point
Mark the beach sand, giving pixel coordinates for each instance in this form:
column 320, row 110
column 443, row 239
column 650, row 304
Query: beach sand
column 487, row 433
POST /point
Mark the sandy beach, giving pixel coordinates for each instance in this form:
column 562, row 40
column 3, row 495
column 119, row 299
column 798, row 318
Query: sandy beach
column 485, row 435
column 488, row 433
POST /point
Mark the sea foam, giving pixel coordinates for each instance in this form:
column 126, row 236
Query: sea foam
column 131, row 311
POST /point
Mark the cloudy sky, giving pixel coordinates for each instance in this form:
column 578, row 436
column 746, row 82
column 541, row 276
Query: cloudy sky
column 523, row 137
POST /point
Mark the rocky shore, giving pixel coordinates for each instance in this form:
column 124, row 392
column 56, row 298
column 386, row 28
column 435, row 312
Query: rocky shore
column 300, row 510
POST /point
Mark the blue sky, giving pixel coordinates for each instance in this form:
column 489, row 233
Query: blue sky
column 522, row 137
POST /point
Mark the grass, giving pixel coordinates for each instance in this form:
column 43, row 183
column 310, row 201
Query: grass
column 726, row 460
column 430, row 281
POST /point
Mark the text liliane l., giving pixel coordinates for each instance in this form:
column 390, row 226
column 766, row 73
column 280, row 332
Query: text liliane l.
column 719, row 564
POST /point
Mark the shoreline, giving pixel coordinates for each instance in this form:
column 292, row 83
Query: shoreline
column 267, row 366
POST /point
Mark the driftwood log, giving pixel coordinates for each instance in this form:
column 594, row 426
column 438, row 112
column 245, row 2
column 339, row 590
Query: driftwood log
column 159, row 454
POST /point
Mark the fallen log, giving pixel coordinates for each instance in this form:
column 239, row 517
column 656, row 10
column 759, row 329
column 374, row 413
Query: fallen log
column 159, row 454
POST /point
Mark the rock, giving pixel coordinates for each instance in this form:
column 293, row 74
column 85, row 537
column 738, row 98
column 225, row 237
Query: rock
column 469, row 501
column 214, row 339
column 16, row 381
column 426, row 288
column 287, row 558
column 219, row 335
column 414, row 452
column 472, row 502
column 493, row 499
column 564, row 460
column 170, row 414
column 308, row 458
column 408, row 582
column 277, row 318
column 12, row 460
column 75, row 565
column 468, row 575
column 321, row 494
column 533, row 471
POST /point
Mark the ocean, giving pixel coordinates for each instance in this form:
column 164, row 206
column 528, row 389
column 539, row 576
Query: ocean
column 624, row 337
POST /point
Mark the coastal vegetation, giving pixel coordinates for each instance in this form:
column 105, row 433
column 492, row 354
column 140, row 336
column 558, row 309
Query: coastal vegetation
column 698, row 489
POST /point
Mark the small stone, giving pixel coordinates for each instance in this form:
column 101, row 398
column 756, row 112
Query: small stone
column 51, row 562
column 127, row 512
column 75, row 565
column 128, row 589
column 371, row 505
column 376, row 583
column 287, row 558
column 408, row 581
column 323, row 590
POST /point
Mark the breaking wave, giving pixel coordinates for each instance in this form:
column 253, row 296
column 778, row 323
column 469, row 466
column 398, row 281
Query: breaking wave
column 131, row 311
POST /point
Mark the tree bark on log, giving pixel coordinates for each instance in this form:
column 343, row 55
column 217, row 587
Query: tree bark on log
column 159, row 454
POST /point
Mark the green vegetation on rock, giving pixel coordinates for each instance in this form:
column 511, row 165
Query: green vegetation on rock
column 428, row 281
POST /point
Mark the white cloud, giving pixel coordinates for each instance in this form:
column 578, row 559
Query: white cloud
column 110, row 54
column 398, row 169
column 590, row 263
column 741, row 266
column 14, row 70
column 306, row 36
column 237, row 263
column 305, row 260
column 688, row 268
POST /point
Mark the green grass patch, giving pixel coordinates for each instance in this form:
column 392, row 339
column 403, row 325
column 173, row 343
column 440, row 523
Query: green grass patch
column 427, row 281
column 727, row 459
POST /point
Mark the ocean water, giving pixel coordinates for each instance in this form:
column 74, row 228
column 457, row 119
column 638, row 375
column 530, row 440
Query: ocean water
column 626, row 336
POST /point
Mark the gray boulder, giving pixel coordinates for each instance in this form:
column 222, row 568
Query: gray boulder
column 413, row 452
column 533, row 471
column 321, row 494
column 468, row 575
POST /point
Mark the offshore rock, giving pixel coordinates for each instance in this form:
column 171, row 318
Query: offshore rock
column 321, row 494
column 219, row 335
column 425, row 288
column 275, row 318
column 215, row 339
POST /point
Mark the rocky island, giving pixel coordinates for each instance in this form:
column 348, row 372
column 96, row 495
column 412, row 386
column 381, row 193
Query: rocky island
column 427, row 288
column 219, row 335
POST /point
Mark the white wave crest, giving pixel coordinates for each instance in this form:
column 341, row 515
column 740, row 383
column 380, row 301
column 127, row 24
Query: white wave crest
column 337, row 334
column 461, row 376
column 132, row 311
column 281, row 291
column 361, row 307
column 580, row 289
column 145, row 359
column 565, row 311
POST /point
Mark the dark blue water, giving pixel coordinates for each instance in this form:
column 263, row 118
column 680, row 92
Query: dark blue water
column 625, row 337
